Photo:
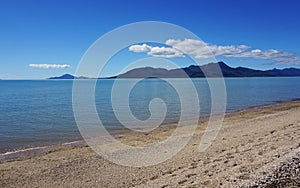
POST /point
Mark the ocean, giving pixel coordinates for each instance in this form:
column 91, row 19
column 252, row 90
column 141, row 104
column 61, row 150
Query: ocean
column 39, row 112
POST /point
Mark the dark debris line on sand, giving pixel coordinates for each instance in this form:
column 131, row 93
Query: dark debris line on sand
column 287, row 174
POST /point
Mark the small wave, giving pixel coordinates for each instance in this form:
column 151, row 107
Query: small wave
column 34, row 151
column 22, row 150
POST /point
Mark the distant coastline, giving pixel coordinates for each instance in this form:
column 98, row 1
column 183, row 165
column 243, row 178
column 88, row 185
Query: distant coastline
column 219, row 69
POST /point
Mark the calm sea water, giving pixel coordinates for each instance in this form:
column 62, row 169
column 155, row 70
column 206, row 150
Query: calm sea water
column 39, row 112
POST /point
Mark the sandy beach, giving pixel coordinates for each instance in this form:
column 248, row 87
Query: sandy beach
column 256, row 147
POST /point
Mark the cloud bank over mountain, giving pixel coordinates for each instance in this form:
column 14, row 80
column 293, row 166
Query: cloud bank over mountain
column 202, row 50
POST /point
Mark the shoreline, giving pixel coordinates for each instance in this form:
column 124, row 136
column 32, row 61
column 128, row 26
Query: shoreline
column 257, row 146
column 28, row 152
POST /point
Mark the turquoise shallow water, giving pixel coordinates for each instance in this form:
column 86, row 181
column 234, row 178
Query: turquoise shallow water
column 39, row 112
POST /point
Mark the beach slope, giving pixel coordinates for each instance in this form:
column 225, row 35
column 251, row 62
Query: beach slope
column 258, row 146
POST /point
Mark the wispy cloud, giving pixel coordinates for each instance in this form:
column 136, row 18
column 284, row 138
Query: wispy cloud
column 201, row 50
column 277, row 56
column 48, row 66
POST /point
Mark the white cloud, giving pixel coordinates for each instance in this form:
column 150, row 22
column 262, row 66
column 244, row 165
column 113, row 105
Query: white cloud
column 227, row 50
column 165, row 52
column 277, row 56
column 200, row 50
column 47, row 66
column 156, row 51
column 188, row 46
column 256, row 51
column 140, row 48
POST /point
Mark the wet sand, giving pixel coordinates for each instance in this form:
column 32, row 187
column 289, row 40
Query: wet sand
column 252, row 149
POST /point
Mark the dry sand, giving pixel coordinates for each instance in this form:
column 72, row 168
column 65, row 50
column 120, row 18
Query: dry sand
column 253, row 147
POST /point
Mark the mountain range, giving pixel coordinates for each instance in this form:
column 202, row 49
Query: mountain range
column 194, row 71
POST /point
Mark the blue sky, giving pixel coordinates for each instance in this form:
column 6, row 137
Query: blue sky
column 59, row 32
